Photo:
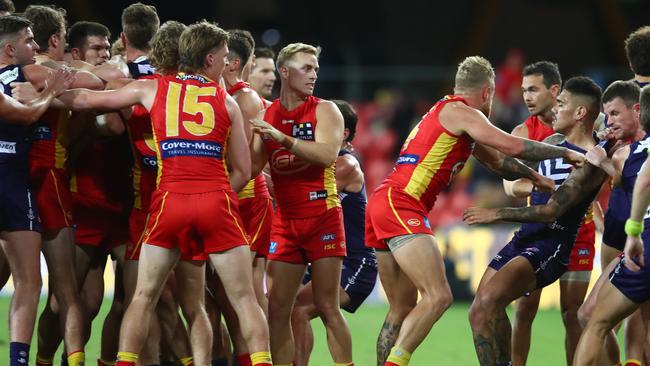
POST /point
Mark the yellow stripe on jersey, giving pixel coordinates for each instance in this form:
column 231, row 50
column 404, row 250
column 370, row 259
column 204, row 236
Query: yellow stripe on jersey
column 225, row 152
column 73, row 183
column 248, row 191
column 329, row 183
column 158, row 157
column 427, row 168
column 60, row 152
column 392, row 207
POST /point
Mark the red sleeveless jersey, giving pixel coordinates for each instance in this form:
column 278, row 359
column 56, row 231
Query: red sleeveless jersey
column 145, row 163
column 48, row 149
column 537, row 130
column 255, row 187
column 301, row 190
column 191, row 128
column 430, row 157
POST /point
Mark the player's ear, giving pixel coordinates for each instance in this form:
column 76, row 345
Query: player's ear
column 637, row 108
column 123, row 38
column 75, row 53
column 580, row 112
column 555, row 90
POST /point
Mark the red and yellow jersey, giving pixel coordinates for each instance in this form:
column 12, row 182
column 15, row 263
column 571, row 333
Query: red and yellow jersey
column 101, row 176
column 301, row 190
column 537, row 130
column 48, row 148
column 145, row 163
column 190, row 128
column 430, row 157
column 256, row 187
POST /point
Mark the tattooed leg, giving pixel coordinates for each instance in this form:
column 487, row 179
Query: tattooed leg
column 386, row 340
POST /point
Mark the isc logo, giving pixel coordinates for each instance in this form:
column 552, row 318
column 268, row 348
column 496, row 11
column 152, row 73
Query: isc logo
column 284, row 162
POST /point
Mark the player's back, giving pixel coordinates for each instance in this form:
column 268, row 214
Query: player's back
column 430, row 157
column 191, row 127
column 301, row 189
column 140, row 67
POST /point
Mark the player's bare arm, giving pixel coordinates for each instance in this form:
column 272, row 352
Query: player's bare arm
column 16, row 112
column 329, row 133
column 579, row 183
column 38, row 74
column 349, row 176
column 250, row 105
column 510, row 168
column 113, row 123
column 139, row 91
column 464, row 119
column 612, row 166
column 238, row 154
column 640, row 202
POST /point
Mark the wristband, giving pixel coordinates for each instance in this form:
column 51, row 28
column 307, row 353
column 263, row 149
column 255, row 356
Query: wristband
column 633, row 228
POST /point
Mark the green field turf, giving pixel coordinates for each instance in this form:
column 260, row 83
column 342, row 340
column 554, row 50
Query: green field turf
column 449, row 343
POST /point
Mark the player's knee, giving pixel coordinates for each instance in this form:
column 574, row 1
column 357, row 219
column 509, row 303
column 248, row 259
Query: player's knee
column 328, row 309
column 28, row 284
column 570, row 314
column 480, row 308
column 584, row 313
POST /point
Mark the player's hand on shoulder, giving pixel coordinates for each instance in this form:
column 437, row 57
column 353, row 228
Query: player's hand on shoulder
column 60, row 80
column 544, row 184
column 574, row 158
column 634, row 253
column 596, row 155
column 479, row 215
column 24, row 92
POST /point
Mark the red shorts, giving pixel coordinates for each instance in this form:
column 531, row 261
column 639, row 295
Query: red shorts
column 390, row 213
column 52, row 190
column 257, row 214
column 197, row 224
column 137, row 226
column 302, row 241
column 583, row 252
column 100, row 227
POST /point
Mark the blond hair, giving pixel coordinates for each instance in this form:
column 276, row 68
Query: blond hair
column 164, row 46
column 474, row 72
column 290, row 50
column 196, row 42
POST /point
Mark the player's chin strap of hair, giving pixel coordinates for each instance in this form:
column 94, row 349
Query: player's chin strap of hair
column 633, row 228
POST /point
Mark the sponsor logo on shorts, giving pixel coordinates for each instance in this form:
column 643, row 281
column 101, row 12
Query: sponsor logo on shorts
column 584, row 252
column 408, row 159
column 328, row 237
column 42, row 133
column 273, row 247
column 303, row 131
column 7, row 147
column 178, row 147
column 414, row 222
column 317, row 195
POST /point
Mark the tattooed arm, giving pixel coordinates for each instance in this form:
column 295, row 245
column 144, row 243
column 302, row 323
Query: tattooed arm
column 580, row 183
column 510, row 168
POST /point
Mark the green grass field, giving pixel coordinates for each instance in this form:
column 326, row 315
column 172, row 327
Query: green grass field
column 449, row 343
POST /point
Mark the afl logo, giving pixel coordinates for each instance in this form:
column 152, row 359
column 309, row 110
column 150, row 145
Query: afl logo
column 413, row 222
column 283, row 162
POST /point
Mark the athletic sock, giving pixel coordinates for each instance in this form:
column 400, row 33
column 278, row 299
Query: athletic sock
column 126, row 359
column 632, row 362
column 18, row 354
column 101, row 362
column 261, row 359
column 398, row 357
column 219, row 362
column 187, row 361
column 42, row 361
column 244, row 359
column 77, row 358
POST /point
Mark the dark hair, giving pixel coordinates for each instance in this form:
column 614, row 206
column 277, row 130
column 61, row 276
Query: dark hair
column 264, row 52
column 240, row 45
column 7, row 5
column 645, row 107
column 628, row 91
column 585, row 87
column 80, row 31
column 46, row 21
column 349, row 117
column 139, row 23
column 549, row 71
column 637, row 49
column 10, row 25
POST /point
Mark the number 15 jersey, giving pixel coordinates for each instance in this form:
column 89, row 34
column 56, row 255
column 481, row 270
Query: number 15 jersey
column 191, row 127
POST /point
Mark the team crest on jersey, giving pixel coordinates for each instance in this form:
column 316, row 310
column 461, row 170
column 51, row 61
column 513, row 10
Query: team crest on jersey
column 303, row 131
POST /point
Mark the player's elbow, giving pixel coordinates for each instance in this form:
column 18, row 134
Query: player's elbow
column 549, row 214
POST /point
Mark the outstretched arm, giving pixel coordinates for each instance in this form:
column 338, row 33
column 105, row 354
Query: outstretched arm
column 580, row 183
column 139, row 91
